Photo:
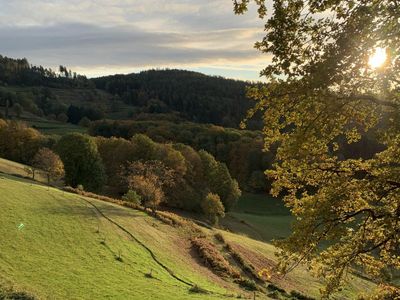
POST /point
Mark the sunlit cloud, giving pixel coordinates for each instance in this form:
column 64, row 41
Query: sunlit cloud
column 121, row 36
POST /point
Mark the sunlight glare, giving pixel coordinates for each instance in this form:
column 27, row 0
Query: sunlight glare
column 378, row 58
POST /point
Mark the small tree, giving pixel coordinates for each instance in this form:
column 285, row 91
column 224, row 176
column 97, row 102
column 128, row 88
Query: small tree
column 49, row 162
column 133, row 197
column 150, row 179
column 213, row 208
column 148, row 188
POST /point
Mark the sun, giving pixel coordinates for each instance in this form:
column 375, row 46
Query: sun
column 377, row 59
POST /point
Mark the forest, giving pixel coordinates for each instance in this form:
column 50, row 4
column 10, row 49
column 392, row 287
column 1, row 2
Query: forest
column 199, row 98
column 138, row 169
column 194, row 96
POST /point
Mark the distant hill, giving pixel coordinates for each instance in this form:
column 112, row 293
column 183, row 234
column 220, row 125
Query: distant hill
column 198, row 97
column 189, row 95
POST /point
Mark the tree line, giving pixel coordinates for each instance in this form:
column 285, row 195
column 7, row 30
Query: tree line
column 20, row 72
column 193, row 96
column 241, row 150
column 137, row 169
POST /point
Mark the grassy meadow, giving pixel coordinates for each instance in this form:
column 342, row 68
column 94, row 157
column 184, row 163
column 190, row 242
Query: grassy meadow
column 259, row 216
column 68, row 250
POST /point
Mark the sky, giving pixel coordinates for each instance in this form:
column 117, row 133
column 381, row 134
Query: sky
column 102, row 37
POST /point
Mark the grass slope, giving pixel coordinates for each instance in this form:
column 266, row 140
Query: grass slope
column 11, row 167
column 68, row 251
column 261, row 217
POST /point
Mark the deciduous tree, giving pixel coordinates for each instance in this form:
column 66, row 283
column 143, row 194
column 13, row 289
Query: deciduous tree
column 49, row 162
column 82, row 161
column 219, row 181
column 149, row 179
column 325, row 86
column 213, row 208
column 18, row 142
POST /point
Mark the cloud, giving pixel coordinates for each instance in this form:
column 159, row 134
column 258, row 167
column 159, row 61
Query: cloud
column 124, row 34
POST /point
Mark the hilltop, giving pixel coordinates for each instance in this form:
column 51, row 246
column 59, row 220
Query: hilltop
column 185, row 95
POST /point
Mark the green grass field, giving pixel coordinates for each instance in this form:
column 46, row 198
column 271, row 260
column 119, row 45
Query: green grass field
column 11, row 167
column 59, row 254
column 67, row 250
column 53, row 127
column 261, row 217
column 47, row 127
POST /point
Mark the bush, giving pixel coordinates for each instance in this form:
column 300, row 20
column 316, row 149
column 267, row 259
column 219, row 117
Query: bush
column 213, row 259
column 277, row 293
column 132, row 197
column 12, row 294
column 84, row 122
column 248, row 284
column 244, row 264
column 175, row 220
column 300, row 296
column 219, row 237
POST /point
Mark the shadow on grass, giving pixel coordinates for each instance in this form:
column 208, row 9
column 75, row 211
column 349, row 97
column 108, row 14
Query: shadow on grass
column 82, row 209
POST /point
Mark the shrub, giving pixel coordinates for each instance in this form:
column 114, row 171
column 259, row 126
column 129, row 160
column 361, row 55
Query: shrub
column 173, row 219
column 149, row 274
column 246, row 283
column 132, row 197
column 300, row 296
column 84, row 122
column 273, row 287
column 213, row 259
column 213, row 208
column 244, row 264
column 219, row 237
column 12, row 294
